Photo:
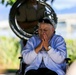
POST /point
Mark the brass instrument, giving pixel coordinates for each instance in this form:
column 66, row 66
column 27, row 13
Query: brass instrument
column 15, row 26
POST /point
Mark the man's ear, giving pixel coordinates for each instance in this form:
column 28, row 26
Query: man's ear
column 53, row 28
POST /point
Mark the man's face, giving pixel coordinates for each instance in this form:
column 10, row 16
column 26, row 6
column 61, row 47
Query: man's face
column 45, row 29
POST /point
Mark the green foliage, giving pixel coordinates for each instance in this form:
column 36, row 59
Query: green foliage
column 71, row 49
column 11, row 2
column 8, row 2
column 2, row 1
column 9, row 52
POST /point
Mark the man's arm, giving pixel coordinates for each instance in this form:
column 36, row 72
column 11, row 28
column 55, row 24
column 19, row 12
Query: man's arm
column 27, row 25
column 29, row 53
column 59, row 53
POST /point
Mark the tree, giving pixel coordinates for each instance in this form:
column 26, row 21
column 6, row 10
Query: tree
column 11, row 2
column 8, row 2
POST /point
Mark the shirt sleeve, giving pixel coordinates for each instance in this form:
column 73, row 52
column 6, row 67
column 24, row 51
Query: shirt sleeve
column 28, row 52
column 59, row 53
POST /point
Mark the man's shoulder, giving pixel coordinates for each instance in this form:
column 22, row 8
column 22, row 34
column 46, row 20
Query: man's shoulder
column 56, row 36
column 22, row 6
column 41, row 5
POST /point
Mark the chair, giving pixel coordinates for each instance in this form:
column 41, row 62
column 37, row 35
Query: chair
column 23, row 66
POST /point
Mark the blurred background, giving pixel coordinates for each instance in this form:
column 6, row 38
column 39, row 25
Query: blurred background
column 10, row 43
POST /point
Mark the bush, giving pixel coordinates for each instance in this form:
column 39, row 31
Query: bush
column 71, row 49
column 9, row 52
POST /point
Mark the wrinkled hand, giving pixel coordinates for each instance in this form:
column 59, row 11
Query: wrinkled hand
column 39, row 47
column 45, row 41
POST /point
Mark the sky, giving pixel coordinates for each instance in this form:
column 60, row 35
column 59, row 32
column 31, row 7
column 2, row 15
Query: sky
column 57, row 5
column 63, row 4
column 4, row 12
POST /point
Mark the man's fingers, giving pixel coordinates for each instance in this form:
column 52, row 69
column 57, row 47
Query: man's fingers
column 45, row 36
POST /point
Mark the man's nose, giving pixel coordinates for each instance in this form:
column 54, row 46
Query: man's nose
column 43, row 32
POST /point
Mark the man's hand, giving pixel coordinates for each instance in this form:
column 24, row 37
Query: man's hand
column 39, row 47
column 45, row 41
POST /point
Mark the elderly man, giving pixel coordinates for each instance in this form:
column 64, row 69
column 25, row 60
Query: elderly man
column 45, row 53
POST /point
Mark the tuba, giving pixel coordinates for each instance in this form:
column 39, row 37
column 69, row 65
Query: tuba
column 13, row 21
